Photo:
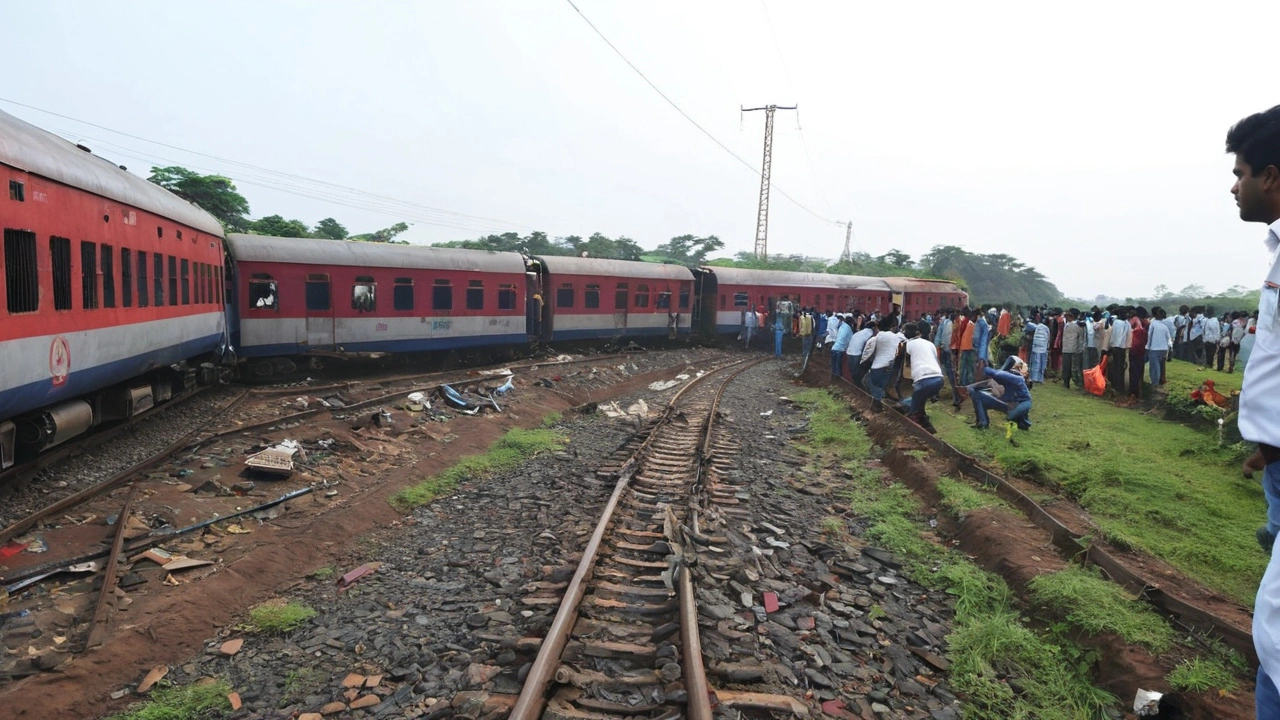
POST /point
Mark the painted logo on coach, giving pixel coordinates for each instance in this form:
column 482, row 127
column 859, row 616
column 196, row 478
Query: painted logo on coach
column 59, row 361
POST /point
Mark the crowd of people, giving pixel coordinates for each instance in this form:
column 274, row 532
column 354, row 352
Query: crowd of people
column 959, row 346
column 994, row 357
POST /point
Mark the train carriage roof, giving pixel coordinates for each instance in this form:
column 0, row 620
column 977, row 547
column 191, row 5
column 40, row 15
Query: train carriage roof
column 783, row 278
column 39, row 152
column 352, row 253
column 922, row 285
column 600, row 267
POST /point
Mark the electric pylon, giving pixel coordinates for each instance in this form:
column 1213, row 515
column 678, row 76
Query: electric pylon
column 762, row 218
column 847, row 255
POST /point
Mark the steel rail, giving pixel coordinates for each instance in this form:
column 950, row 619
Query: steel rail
column 532, row 700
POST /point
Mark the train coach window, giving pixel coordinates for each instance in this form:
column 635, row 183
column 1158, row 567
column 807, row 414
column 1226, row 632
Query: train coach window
column 684, row 297
column 830, row 301
column 197, row 289
column 186, row 282
column 364, row 294
column 620, row 297
column 157, row 296
column 506, row 296
column 662, row 301
column 317, row 291
column 441, row 295
column 264, row 294
column 930, row 301
column 564, row 296
column 402, row 294
column 60, row 254
column 173, row 280
column 16, row 191
column 591, row 297
column 126, row 277
column 22, row 281
column 642, row 296
column 722, row 300
column 89, row 274
column 741, row 300
column 108, row 276
column 475, row 294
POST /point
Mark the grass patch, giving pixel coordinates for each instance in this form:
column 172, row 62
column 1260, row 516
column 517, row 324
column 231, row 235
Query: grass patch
column 832, row 525
column 1006, row 669
column 192, row 702
column 1096, row 605
column 959, row 498
column 1202, row 674
column 512, row 449
column 552, row 419
column 300, row 682
column 324, row 573
column 1153, row 485
column 280, row 617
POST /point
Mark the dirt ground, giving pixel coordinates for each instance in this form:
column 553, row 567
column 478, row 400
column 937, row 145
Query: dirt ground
column 157, row 624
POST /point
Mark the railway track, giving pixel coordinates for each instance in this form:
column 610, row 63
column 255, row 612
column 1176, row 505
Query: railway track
column 627, row 625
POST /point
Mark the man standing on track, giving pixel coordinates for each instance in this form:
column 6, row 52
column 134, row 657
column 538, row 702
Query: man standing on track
column 926, row 374
column 1255, row 141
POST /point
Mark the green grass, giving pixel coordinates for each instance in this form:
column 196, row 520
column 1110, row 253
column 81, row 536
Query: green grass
column 991, row 652
column 512, row 449
column 192, row 702
column 960, row 498
column 278, row 618
column 1096, row 605
column 1153, row 485
column 324, row 573
column 832, row 525
column 552, row 419
column 300, row 682
column 1201, row 674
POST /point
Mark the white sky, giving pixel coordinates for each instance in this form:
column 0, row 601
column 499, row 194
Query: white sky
column 1086, row 140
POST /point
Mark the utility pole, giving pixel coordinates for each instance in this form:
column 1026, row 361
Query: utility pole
column 847, row 256
column 762, row 219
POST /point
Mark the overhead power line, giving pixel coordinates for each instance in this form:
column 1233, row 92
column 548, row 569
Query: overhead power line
column 686, row 115
column 320, row 189
column 804, row 144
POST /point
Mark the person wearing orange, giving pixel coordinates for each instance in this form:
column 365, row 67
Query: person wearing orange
column 1004, row 325
column 968, row 355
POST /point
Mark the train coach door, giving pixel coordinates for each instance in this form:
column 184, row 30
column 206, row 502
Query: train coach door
column 320, row 319
column 621, row 301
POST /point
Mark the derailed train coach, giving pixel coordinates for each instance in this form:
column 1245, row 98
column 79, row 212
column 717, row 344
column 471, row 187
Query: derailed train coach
column 307, row 297
column 111, row 285
column 725, row 294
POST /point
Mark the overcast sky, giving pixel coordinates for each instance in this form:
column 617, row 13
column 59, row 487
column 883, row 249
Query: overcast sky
column 1086, row 140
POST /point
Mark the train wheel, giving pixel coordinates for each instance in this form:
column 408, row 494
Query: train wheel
column 284, row 366
column 263, row 369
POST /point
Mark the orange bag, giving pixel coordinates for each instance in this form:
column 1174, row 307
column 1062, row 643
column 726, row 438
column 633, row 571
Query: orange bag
column 1095, row 378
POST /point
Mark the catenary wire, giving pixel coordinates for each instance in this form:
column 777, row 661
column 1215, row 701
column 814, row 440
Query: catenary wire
column 686, row 116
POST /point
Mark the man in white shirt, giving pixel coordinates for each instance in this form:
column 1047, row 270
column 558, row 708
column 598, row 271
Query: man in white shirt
column 854, row 352
column 882, row 353
column 1212, row 332
column 1119, row 344
column 1195, row 336
column 1158, row 342
column 1180, row 322
column 1255, row 141
column 926, row 374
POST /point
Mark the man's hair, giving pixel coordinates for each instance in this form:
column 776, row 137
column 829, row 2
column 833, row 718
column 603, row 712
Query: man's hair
column 887, row 323
column 910, row 330
column 1256, row 139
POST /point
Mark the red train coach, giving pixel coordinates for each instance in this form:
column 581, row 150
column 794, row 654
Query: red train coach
column 106, row 277
column 304, row 296
column 917, row 296
column 597, row 298
column 725, row 293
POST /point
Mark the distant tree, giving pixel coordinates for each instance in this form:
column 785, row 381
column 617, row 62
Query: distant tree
column 1193, row 291
column 1161, row 292
column 896, row 258
column 385, row 235
column 277, row 226
column 330, row 228
column 601, row 246
column 688, row 250
column 215, row 194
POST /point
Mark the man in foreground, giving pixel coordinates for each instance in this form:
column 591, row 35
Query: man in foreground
column 1014, row 401
column 1255, row 141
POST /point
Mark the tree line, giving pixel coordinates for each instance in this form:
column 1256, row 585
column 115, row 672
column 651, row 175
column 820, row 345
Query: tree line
column 217, row 195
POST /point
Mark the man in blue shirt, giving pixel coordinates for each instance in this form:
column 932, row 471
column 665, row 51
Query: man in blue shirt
column 1158, row 342
column 981, row 341
column 1015, row 402
column 843, row 336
